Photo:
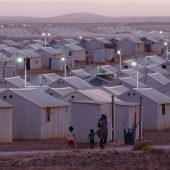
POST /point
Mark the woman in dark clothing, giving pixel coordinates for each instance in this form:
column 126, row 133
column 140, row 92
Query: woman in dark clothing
column 103, row 130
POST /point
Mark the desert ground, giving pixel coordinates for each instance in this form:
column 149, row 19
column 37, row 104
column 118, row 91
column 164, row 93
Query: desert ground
column 54, row 155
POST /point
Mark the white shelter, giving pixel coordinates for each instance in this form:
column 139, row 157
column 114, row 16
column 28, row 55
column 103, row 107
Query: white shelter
column 36, row 115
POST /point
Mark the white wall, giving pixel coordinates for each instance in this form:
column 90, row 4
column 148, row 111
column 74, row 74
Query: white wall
column 84, row 117
column 26, row 118
column 35, row 63
column 5, row 125
column 57, row 127
column 150, row 109
column 79, row 55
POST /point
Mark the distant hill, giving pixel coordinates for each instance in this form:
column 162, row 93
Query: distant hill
column 81, row 18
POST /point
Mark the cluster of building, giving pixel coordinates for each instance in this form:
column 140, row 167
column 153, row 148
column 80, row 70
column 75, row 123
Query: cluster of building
column 43, row 106
column 39, row 54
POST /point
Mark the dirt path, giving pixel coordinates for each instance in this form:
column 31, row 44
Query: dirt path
column 87, row 160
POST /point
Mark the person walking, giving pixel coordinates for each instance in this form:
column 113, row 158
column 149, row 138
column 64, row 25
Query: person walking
column 91, row 137
column 71, row 137
column 102, row 132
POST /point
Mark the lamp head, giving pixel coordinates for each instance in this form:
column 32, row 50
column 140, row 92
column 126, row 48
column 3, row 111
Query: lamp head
column 119, row 52
column 165, row 43
column 63, row 59
column 134, row 63
column 160, row 32
column 20, row 60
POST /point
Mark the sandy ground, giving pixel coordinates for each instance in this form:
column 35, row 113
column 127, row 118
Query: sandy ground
column 88, row 160
column 54, row 155
column 157, row 137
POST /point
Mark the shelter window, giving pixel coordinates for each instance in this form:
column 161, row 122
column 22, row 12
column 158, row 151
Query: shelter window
column 48, row 114
column 163, row 109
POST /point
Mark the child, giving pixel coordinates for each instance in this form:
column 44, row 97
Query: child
column 71, row 137
column 91, row 138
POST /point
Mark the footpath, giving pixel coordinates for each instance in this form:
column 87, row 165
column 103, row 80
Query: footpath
column 54, row 151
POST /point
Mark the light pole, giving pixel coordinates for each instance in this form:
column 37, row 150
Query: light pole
column 49, row 35
column 135, row 63
column 64, row 61
column 120, row 59
column 3, row 69
column 161, row 34
column 20, row 60
column 45, row 37
column 166, row 45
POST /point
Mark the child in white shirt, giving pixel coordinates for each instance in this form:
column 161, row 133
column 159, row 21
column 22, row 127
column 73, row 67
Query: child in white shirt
column 71, row 137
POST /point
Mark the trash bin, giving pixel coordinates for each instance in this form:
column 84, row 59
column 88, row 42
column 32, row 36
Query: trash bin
column 129, row 136
column 126, row 136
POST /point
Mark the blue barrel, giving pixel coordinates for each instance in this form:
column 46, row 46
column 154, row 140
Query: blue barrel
column 126, row 136
column 131, row 133
column 129, row 136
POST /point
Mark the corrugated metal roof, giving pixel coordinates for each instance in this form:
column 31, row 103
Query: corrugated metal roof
column 39, row 42
column 2, row 46
column 3, row 58
column 51, row 76
column 158, row 69
column 160, row 78
column 109, row 69
column 135, row 40
column 11, row 43
column 51, row 50
column 156, row 58
column 72, row 41
column 78, row 82
column 81, row 73
column 74, row 47
column 133, row 82
column 38, row 97
column 103, row 40
column 132, row 73
column 63, row 91
column 129, row 63
column 101, row 96
column 154, row 95
column 29, row 53
column 17, row 81
column 12, row 50
column 36, row 46
column 116, row 90
column 152, row 39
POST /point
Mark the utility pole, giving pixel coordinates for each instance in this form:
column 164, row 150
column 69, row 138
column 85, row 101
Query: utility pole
column 140, row 120
column 113, row 118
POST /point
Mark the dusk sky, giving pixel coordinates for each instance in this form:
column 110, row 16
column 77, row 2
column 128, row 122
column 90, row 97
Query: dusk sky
column 47, row 8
